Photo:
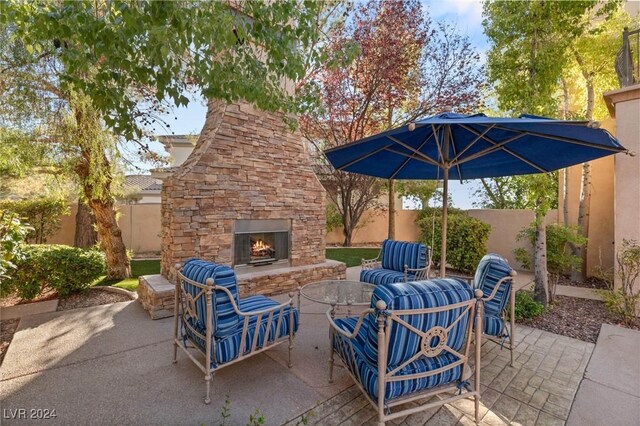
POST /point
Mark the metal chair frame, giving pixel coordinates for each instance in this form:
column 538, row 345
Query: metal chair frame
column 512, row 309
column 185, row 308
column 385, row 318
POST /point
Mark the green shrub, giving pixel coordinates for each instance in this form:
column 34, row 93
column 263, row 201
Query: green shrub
column 61, row 268
column 526, row 307
column 43, row 214
column 334, row 218
column 466, row 238
column 12, row 236
column 624, row 300
column 559, row 256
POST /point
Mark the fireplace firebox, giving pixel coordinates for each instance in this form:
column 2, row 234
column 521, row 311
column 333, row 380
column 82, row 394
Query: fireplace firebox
column 261, row 242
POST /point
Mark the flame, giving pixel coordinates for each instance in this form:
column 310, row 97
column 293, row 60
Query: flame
column 259, row 245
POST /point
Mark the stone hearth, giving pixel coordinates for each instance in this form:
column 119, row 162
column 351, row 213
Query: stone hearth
column 246, row 165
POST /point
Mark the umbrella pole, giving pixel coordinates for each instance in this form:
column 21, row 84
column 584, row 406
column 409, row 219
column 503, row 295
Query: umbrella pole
column 445, row 207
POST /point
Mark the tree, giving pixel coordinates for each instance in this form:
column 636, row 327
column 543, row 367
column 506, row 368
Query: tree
column 559, row 256
column 537, row 192
column 509, row 192
column 406, row 68
column 117, row 63
column 537, row 42
column 593, row 52
column 529, row 44
column 421, row 190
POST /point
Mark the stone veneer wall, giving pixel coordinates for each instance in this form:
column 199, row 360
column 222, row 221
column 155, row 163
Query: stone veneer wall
column 247, row 164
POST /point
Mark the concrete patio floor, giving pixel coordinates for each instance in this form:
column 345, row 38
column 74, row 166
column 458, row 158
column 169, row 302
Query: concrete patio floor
column 112, row 364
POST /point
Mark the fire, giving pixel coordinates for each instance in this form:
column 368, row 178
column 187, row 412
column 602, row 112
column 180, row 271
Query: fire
column 261, row 249
column 260, row 245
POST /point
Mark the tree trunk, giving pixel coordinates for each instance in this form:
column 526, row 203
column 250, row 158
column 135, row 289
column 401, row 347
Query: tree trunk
column 85, row 235
column 94, row 172
column 577, row 274
column 565, row 198
column 348, row 232
column 392, row 209
column 565, row 99
column 118, row 266
column 392, row 191
column 541, row 291
column 585, row 192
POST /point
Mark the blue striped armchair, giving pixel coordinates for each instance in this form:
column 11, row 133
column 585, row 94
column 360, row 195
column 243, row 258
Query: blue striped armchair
column 212, row 319
column 397, row 262
column 494, row 277
column 412, row 343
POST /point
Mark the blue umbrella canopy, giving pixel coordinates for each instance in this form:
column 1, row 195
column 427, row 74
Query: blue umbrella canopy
column 474, row 146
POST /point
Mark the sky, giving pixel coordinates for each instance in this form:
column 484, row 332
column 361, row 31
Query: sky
column 467, row 14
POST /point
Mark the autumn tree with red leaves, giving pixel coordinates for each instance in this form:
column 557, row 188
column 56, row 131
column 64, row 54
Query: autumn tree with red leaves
column 407, row 67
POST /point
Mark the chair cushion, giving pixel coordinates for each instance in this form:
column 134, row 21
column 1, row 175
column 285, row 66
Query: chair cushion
column 417, row 295
column 225, row 318
column 369, row 372
column 491, row 269
column 493, row 325
column 228, row 348
column 258, row 303
column 369, row 375
column 397, row 254
column 403, row 346
column 383, row 276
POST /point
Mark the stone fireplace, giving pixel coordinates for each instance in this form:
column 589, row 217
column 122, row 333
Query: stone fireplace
column 247, row 196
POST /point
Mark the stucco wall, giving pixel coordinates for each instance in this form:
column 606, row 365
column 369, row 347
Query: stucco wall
column 626, row 211
column 140, row 225
column 505, row 226
column 600, row 232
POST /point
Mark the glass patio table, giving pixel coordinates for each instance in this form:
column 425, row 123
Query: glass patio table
column 338, row 293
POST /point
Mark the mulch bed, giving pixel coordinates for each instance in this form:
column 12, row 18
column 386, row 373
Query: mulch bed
column 7, row 330
column 589, row 282
column 91, row 297
column 14, row 300
column 577, row 318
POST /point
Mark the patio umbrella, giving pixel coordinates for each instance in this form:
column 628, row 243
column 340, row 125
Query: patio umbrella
column 461, row 146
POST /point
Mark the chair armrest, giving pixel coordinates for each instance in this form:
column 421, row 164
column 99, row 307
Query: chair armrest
column 355, row 329
column 264, row 311
column 371, row 264
column 497, row 287
column 252, row 313
column 420, row 273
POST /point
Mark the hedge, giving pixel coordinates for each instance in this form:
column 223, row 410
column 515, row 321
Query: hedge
column 466, row 238
column 43, row 214
column 61, row 268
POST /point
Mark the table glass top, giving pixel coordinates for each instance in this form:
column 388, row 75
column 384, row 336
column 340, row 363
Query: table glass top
column 339, row 292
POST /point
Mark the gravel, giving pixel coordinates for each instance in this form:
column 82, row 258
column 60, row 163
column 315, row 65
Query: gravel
column 577, row 318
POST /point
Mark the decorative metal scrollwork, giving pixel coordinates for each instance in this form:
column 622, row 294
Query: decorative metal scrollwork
column 431, row 348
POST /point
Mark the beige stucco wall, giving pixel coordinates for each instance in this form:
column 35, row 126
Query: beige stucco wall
column 140, row 225
column 600, row 232
column 67, row 229
column 374, row 227
column 505, row 226
column 626, row 210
